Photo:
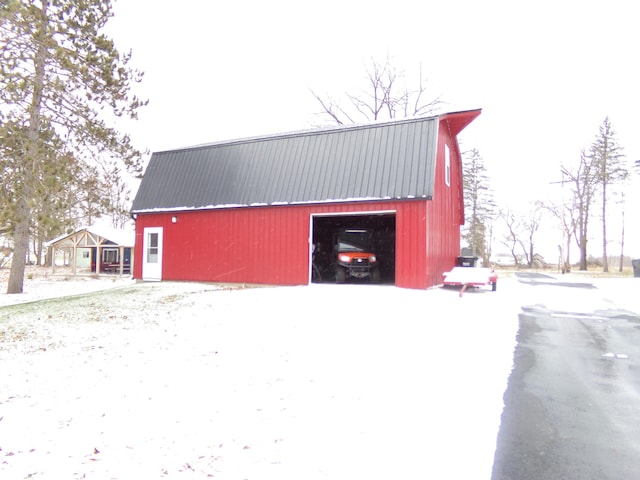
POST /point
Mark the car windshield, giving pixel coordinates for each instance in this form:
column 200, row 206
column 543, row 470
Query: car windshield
column 354, row 242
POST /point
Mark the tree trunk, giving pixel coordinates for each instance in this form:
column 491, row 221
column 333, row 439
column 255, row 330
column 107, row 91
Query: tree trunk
column 20, row 247
column 30, row 161
column 515, row 256
column 605, row 258
column 583, row 228
column 583, row 252
column 622, row 239
column 39, row 247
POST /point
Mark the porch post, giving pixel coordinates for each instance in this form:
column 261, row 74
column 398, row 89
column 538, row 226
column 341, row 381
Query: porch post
column 121, row 250
column 98, row 256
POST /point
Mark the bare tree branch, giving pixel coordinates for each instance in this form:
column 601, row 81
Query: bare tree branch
column 384, row 97
column 328, row 107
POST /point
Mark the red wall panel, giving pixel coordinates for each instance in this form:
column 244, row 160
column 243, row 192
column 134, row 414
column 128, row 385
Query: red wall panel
column 411, row 232
column 446, row 211
column 269, row 245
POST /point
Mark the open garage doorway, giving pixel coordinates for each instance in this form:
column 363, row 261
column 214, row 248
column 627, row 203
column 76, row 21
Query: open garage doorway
column 326, row 231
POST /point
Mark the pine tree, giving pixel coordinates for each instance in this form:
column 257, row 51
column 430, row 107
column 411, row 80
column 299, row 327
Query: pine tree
column 607, row 155
column 61, row 80
column 478, row 204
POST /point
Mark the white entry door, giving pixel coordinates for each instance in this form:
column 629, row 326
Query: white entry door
column 152, row 262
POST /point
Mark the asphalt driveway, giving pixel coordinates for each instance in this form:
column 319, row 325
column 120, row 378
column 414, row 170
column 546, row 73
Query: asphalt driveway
column 572, row 406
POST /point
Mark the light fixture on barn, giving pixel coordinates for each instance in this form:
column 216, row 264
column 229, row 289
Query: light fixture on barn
column 174, row 219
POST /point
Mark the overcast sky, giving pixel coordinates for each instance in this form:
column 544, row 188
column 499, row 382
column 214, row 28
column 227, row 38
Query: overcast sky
column 545, row 75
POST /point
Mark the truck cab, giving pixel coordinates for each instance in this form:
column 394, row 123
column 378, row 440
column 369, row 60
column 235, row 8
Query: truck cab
column 354, row 256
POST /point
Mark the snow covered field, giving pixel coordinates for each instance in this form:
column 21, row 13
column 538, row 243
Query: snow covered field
column 188, row 380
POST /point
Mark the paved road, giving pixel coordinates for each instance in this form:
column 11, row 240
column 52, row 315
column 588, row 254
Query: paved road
column 572, row 406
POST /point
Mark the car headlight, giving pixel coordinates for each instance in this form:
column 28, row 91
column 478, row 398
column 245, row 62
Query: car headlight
column 373, row 259
column 344, row 258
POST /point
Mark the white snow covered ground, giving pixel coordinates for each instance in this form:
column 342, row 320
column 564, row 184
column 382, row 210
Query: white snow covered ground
column 188, row 380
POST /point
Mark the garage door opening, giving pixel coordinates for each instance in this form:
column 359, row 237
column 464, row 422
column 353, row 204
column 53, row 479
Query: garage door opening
column 332, row 233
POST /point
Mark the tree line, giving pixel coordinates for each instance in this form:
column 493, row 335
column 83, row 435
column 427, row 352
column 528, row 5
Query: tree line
column 592, row 182
column 63, row 87
column 595, row 179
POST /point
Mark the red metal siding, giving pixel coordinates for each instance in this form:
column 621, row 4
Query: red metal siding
column 269, row 245
column 411, row 260
column 445, row 212
column 253, row 245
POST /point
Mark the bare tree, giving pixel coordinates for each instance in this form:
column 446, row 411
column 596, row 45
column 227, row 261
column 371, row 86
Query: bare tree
column 385, row 96
column 521, row 230
column 510, row 239
column 583, row 181
column 118, row 198
column 530, row 225
column 565, row 214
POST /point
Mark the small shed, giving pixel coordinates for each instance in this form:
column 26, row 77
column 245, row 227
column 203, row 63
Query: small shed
column 258, row 210
column 95, row 249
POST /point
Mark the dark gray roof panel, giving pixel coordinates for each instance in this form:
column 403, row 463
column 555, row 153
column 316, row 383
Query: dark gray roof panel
column 393, row 160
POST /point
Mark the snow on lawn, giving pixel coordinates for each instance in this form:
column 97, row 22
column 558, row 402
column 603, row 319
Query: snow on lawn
column 188, row 380
column 40, row 285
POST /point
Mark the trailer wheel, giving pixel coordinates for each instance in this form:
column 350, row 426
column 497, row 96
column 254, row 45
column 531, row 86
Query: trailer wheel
column 494, row 286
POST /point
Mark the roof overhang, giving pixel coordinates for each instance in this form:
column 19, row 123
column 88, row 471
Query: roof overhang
column 457, row 121
column 87, row 237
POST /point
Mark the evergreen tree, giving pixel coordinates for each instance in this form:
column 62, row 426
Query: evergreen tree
column 61, row 81
column 478, row 204
column 607, row 155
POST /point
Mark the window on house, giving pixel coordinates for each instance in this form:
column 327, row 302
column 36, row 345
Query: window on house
column 447, row 165
column 110, row 255
column 152, row 248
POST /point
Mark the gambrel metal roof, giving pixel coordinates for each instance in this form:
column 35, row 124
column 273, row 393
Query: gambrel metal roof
column 391, row 160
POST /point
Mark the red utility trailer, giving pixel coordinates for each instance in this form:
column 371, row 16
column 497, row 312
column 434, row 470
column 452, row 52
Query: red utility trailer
column 470, row 277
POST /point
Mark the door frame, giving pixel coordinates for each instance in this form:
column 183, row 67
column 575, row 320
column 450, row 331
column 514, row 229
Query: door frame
column 152, row 271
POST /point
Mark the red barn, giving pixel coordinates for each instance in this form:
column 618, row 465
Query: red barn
column 258, row 210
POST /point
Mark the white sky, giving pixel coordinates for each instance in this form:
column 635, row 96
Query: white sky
column 546, row 77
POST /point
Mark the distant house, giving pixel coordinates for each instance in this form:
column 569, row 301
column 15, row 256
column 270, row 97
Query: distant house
column 254, row 210
column 94, row 249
